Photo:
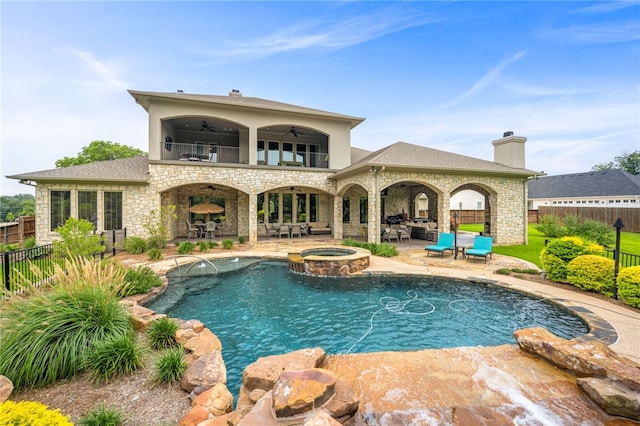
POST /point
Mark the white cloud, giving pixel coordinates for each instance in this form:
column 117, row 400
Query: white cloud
column 102, row 75
column 595, row 34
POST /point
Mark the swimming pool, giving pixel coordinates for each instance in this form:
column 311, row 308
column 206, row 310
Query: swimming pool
column 258, row 307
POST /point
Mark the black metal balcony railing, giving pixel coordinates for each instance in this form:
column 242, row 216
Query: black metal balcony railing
column 200, row 152
column 174, row 151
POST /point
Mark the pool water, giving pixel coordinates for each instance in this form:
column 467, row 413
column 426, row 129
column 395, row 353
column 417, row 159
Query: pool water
column 258, row 308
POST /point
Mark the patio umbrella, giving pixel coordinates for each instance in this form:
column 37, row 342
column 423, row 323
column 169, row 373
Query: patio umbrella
column 206, row 208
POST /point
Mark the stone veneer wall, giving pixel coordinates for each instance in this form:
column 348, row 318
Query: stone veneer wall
column 507, row 196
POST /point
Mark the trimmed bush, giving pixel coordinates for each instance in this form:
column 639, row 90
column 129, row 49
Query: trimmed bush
column 212, row 244
column 558, row 253
column 155, row 254
column 102, row 416
column 592, row 273
column 241, row 239
column 116, row 355
column 31, row 413
column 162, row 333
column 383, row 249
column 186, row 247
column 629, row 285
column 140, row 280
column 203, row 246
column 135, row 245
column 170, row 366
column 227, row 244
column 47, row 335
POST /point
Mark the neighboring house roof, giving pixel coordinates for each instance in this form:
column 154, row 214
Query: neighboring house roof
column 235, row 98
column 589, row 184
column 406, row 155
column 129, row 170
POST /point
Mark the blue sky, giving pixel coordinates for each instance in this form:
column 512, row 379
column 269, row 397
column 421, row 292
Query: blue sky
column 447, row 75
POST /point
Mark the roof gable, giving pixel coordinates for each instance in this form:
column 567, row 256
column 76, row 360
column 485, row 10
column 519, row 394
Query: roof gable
column 589, row 184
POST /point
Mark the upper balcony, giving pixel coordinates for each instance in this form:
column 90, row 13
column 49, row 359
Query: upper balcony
column 278, row 154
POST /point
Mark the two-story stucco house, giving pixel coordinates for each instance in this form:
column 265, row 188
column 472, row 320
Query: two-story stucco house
column 271, row 162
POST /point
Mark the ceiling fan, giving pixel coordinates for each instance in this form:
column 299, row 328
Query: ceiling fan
column 205, row 126
column 294, row 132
column 211, row 187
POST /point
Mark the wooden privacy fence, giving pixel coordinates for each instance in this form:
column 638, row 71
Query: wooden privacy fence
column 607, row 215
column 17, row 232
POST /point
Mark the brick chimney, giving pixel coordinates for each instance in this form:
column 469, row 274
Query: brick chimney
column 509, row 150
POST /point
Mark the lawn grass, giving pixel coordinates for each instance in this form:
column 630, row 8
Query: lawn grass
column 629, row 243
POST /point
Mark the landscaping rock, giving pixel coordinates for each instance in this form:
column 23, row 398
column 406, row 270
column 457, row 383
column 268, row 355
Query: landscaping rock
column 140, row 316
column 207, row 371
column 345, row 402
column 6, row 387
column 203, row 342
column 263, row 373
column 612, row 396
column 584, row 359
column 297, row 392
column 217, row 400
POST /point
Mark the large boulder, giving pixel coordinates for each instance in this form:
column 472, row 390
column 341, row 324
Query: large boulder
column 206, row 371
column 612, row 396
column 263, row 373
column 6, row 387
column 299, row 391
column 584, row 359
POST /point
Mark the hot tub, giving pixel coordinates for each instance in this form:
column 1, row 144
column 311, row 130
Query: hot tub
column 329, row 261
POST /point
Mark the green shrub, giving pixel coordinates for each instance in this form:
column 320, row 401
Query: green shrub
column 135, row 245
column 203, row 246
column 503, row 271
column 599, row 232
column 170, row 366
column 241, row 239
column 78, row 239
column 186, row 247
column 115, row 355
column 162, row 333
column 383, row 249
column 155, row 254
column 212, row 244
column 47, row 335
column 6, row 248
column 629, row 285
column 140, row 280
column 558, row 253
column 592, row 273
column 551, row 226
column 227, row 244
column 26, row 413
column 29, row 243
column 103, row 416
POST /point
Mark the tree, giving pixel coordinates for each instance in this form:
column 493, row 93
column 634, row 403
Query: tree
column 100, row 151
column 18, row 205
column 629, row 162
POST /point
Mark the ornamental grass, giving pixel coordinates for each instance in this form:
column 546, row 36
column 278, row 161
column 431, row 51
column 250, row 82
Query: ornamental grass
column 47, row 335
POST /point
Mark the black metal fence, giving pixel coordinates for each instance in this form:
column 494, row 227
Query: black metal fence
column 113, row 240
column 626, row 259
column 17, row 265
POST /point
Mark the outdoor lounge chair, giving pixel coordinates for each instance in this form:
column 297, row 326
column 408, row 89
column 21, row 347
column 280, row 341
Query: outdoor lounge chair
column 481, row 248
column 390, row 234
column 445, row 242
column 271, row 231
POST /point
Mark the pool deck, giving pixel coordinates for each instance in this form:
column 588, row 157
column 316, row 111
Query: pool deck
column 466, row 386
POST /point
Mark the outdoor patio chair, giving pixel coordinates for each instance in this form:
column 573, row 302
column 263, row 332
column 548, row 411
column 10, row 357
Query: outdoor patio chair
column 445, row 243
column 296, row 230
column 284, row 230
column 390, row 234
column 272, row 231
column 404, row 233
column 210, row 230
column 481, row 248
column 192, row 230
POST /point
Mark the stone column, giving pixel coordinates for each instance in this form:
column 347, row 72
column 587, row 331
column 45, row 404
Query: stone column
column 253, row 218
column 253, row 146
column 337, row 218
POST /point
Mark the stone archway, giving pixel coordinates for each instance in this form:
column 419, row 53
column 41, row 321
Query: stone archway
column 486, row 217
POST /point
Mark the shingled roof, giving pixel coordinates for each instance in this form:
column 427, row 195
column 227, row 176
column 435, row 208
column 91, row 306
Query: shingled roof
column 239, row 100
column 406, row 155
column 589, row 184
column 122, row 170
